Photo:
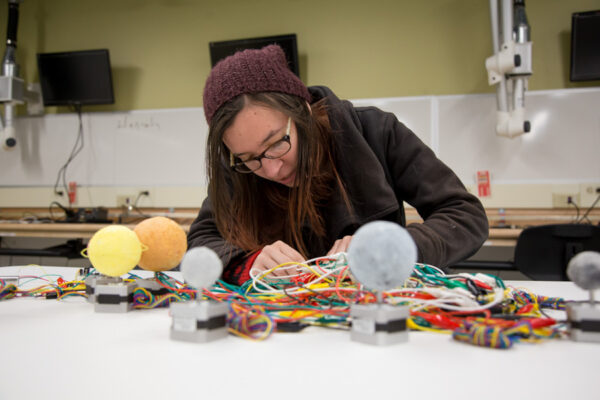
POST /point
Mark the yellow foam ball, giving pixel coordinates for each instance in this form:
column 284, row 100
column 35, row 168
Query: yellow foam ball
column 166, row 243
column 114, row 250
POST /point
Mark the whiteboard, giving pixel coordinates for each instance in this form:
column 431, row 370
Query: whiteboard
column 153, row 147
column 167, row 147
column 417, row 113
column 562, row 146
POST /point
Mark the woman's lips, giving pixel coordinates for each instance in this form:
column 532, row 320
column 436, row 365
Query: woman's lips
column 289, row 181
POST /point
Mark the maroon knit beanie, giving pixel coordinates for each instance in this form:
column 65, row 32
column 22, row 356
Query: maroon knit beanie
column 250, row 71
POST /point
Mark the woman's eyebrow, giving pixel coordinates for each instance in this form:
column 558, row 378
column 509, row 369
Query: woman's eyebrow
column 270, row 135
column 264, row 141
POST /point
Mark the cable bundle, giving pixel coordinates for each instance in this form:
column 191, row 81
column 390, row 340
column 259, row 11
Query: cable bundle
column 249, row 322
column 483, row 335
column 58, row 289
column 502, row 334
column 474, row 308
column 172, row 291
column 143, row 298
column 7, row 290
column 501, row 319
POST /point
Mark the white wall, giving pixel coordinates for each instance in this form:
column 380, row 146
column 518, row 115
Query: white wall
column 163, row 150
column 562, row 146
column 154, row 147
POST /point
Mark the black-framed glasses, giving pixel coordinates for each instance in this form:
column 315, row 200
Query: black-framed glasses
column 276, row 150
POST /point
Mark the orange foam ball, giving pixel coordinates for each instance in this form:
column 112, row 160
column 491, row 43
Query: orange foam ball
column 166, row 243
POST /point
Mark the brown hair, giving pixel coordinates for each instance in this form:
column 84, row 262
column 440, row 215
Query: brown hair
column 252, row 212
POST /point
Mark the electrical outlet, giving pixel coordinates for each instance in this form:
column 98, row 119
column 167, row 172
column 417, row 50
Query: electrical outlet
column 124, row 199
column 561, row 200
column 133, row 199
column 592, row 189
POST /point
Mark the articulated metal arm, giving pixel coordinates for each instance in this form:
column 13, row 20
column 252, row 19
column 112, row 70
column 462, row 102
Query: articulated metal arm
column 510, row 66
column 13, row 90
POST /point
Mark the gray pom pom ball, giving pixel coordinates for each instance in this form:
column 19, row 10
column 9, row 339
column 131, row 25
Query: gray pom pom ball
column 584, row 270
column 382, row 255
column 201, row 267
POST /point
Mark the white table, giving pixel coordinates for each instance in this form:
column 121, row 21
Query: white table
column 63, row 349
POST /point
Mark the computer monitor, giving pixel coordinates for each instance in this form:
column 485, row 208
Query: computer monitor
column 222, row 49
column 585, row 46
column 76, row 78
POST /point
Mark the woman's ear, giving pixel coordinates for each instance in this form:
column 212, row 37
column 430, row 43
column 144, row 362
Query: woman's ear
column 309, row 108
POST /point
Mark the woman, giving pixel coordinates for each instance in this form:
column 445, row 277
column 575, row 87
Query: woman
column 294, row 171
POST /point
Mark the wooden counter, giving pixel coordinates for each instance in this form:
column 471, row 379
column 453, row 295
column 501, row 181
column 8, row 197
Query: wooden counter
column 515, row 219
column 499, row 237
column 56, row 230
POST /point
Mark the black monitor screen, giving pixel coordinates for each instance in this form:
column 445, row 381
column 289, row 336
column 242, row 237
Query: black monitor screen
column 585, row 46
column 76, row 78
column 220, row 50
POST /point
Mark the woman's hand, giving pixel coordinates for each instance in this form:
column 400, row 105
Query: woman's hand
column 340, row 245
column 274, row 255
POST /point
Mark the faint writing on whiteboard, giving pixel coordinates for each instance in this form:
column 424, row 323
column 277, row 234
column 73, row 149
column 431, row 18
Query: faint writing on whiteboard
column 137, row 124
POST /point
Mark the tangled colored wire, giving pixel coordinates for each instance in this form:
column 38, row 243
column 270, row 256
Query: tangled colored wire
column 7, row 290
column 474, row 308
column 165, row 290
column 50, row 289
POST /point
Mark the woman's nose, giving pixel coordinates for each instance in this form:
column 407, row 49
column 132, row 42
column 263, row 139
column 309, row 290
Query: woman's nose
column 271, row 167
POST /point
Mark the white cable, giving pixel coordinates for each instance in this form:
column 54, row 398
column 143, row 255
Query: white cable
column 456, row 299
column 262, row 286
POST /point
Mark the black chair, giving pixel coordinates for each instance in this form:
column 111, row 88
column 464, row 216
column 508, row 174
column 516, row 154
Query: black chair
column 543, row 252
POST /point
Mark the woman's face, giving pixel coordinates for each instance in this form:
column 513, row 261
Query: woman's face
column 254, row 130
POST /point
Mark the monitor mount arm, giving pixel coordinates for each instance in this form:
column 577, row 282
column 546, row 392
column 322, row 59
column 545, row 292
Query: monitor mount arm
column 13, row 90
column 510, row 66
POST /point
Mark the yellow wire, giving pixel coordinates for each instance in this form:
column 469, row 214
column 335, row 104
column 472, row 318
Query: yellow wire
column 411, row 325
